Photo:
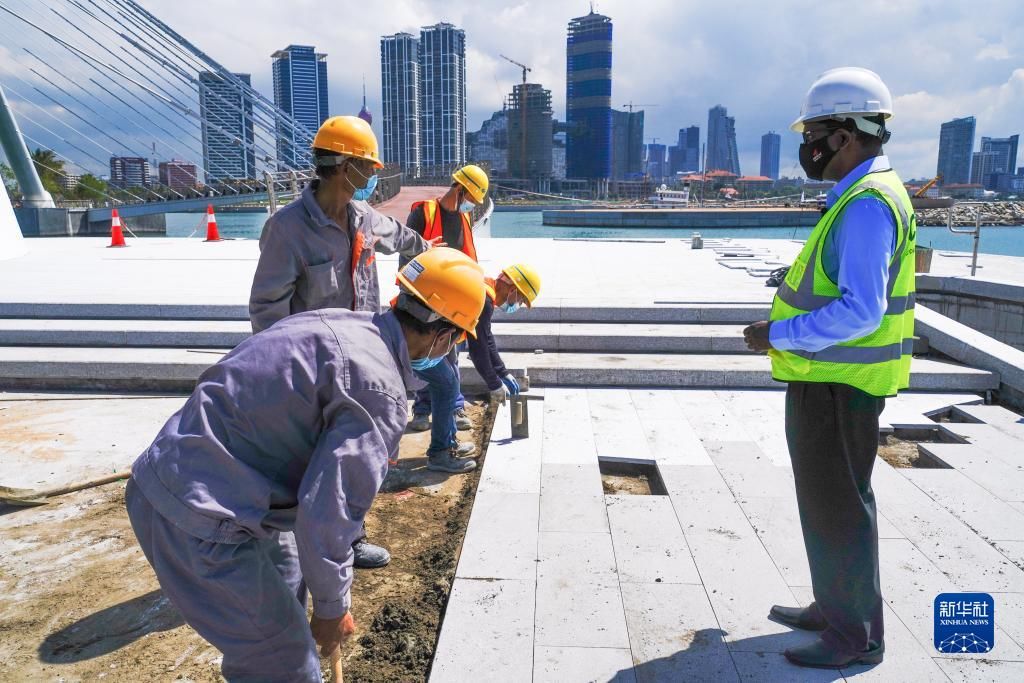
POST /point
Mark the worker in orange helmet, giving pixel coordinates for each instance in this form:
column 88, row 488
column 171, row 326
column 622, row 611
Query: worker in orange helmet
column 254, row 491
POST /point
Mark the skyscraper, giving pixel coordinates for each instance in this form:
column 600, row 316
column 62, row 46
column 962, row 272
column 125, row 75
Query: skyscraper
column 129, row 172
column 722, row 153
column 529, row 155
column 300, row 88
column 442, row 58
column 227, row 126
column 1004, row 154
column 588, row 100
column 982, row 167
column 400, row 101
column 627, row 144
column 690, row 144
column 771, row 147
column 956, row 146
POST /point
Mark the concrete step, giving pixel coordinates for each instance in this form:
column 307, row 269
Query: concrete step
column 42, row 367
column 512, row 336
column 553, row 310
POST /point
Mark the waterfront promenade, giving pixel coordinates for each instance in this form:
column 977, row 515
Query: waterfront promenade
column 563, row 576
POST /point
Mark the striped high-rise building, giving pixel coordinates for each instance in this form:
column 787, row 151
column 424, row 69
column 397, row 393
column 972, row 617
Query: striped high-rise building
column 588, row 97
column 227, row 126
column 400, row 101
column 300, row 89
column 442, row 58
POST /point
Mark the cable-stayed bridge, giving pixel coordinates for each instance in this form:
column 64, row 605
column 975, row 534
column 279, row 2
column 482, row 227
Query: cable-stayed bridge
column 89, row 80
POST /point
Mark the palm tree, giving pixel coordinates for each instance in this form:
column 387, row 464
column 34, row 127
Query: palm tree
column 50, row 169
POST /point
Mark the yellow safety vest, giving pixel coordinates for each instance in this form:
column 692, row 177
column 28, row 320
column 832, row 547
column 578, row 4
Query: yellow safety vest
column 879, row 363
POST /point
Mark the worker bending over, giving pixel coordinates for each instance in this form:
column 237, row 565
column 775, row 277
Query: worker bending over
column 517, row 286
column 449, row 219
column 291, row 431
column 318, row 252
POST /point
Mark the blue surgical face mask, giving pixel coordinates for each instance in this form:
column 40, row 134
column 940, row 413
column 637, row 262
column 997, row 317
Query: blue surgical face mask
column 509, row 307
column 421, row 364
column 362, row 194
column 466, row 206
column 429, row 361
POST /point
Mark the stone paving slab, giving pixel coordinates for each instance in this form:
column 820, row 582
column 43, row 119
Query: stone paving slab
column 973, row 505
column 963, row 556
column 699, row 370
column 725, row 542
column 502, row 534
column 487, row 634
column 580, row 611
column 910, row 582
column 988, row 468
column 583, row 664
column 649, row 545
column 674, row 634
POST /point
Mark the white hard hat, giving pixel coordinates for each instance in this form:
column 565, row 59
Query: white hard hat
column 847, row 92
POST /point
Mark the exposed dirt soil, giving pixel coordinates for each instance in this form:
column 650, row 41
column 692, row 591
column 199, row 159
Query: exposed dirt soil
column 904, row 453
column 625, row 485
column 81, row 603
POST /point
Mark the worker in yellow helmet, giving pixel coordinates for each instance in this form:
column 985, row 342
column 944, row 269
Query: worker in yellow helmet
column 517, row 286
column 254, row 491
column 449, row 218
column 319, row 251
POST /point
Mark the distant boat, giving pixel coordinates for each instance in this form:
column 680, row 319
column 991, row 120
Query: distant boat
column 663, row 195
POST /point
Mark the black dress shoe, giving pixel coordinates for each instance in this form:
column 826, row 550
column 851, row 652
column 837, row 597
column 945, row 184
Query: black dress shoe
column 806, row 618
column 821, row 655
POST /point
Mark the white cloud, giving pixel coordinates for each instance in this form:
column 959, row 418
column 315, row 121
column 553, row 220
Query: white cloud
column 996, row 52
column 941, row 58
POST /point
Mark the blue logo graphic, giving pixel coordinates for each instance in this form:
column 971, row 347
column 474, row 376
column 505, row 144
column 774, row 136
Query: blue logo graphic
column 965, row 623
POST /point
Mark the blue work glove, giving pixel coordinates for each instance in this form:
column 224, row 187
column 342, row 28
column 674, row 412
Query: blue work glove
column 511, row 384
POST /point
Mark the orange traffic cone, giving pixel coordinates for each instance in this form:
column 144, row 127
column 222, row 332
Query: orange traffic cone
column 116, row 235
column 211, row 225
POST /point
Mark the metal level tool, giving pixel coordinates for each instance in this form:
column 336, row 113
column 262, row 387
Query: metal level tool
column 521, row 414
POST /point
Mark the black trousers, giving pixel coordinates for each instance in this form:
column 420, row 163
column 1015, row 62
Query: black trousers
column 832, row 431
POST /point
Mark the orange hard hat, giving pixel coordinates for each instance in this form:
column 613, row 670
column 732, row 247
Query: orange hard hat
column 349, row 136
column 447, row 283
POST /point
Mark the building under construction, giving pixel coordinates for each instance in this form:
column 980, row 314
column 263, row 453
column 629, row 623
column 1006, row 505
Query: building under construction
column 530, row 132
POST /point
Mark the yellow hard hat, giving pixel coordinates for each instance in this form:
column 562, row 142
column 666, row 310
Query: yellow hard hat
column 526, row 280
column 448, row 283
column 349, row 136
column 473, row 178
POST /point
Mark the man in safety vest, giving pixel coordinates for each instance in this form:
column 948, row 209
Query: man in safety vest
column 319, row 251
column 841, row 334
column 449, row 219
column 255, row 490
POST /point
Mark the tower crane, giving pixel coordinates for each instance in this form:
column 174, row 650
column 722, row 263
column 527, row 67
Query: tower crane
column 522, row 114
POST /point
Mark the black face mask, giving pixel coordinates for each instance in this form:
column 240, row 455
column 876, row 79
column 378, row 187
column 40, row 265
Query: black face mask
column 814, row 157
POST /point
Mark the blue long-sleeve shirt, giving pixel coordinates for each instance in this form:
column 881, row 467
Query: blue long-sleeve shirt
column 291, row 430
column 856, row 256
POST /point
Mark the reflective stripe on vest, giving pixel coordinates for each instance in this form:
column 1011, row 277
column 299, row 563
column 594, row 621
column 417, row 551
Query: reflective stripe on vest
column 432, row 227
column 879, row 362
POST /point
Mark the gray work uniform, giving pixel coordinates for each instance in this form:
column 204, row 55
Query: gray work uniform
column 291, row 431
column 306, row 259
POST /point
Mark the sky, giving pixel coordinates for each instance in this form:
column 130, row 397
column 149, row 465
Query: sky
column 941, row 59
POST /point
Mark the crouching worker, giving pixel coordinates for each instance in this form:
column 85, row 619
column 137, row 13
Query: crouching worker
column 517, row 286
column 290, row 432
